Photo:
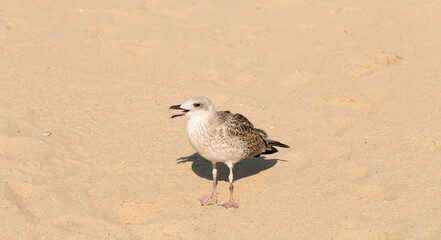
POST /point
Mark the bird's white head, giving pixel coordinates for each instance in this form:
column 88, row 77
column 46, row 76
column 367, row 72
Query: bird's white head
column 195, row 106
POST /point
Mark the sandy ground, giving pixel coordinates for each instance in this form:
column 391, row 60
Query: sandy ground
column 88, row 149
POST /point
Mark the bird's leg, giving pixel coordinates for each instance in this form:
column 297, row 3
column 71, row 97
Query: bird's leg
column 211, row 199
column 231, row 202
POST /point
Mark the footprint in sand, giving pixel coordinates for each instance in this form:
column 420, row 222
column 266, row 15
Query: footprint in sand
column 352, row 103
column 369, row 101
column 139, row 48
column 306, row 25
column 432, row 145
column 365, row 64
column 365, row 233
column 285, row 1
column 148, row 5
column 115, row 20
column 335, row 125
column 357, row 173
column 174, row 14
column 350, row 9
column 385, row 58
column 33, row 200
column 376, row 98
column 79, row 223
column 133, row 211
column 304, row 78
column 20, row 25
column 298, row 78
column 375, row 192
column 181, row 13
column 265, row 32
column 359, row 71
column 332, row 151
column 156, row 230
column 4, row 26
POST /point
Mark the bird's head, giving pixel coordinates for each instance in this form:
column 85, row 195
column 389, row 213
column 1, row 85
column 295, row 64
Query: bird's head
column 196, row 106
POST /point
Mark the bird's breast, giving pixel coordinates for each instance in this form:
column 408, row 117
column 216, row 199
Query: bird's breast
column 210, row 142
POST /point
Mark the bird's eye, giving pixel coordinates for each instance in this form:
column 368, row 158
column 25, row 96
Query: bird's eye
column 197, row 105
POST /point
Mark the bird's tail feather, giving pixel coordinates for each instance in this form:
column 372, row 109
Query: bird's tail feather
column 277, row 144
column 270, row 144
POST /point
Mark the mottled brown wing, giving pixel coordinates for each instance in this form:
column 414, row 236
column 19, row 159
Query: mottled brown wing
column 236, row 125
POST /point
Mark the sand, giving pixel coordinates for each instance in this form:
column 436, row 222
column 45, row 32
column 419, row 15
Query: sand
column 88, row 149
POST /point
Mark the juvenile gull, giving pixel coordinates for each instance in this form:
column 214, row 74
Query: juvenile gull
column 223, row 137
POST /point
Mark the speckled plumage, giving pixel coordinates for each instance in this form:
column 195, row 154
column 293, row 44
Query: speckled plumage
column 223, row 137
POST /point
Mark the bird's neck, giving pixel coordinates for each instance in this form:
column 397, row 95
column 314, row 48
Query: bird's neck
column 200, row 122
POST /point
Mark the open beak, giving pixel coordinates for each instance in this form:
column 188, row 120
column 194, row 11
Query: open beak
column 178, row 107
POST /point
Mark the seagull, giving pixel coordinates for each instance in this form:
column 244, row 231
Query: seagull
column 221, row 136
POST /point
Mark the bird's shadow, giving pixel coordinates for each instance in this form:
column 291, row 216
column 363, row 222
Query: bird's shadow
column 245, row 168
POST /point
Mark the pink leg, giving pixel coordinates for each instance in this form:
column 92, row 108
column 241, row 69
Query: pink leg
column 210, row 199
column 231, row 202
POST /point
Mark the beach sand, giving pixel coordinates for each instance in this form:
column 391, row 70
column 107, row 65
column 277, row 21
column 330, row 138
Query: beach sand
column 88, row 149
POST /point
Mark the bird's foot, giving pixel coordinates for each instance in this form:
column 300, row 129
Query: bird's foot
column 229, row 204
column 208, row 199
